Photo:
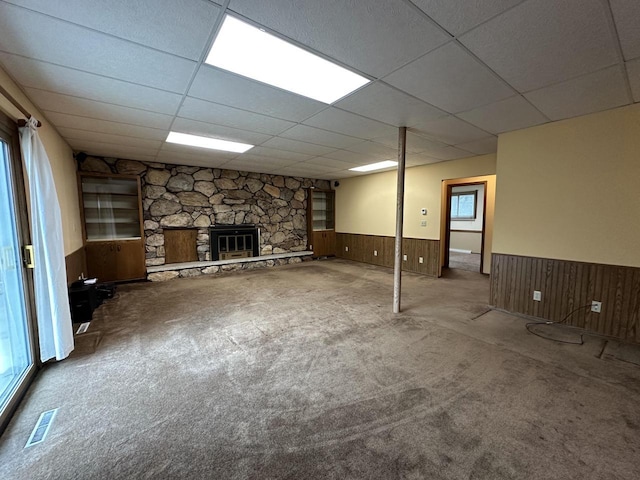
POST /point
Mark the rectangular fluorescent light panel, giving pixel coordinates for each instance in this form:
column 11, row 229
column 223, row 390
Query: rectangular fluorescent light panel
column 249, row 51
column 375, row 166
column 207, row 142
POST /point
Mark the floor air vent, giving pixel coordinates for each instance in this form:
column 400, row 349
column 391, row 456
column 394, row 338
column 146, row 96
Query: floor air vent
column 42, row 428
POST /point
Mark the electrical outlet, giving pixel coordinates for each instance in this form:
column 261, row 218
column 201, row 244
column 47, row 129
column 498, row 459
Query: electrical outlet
column 375, row 253
column 537, row 295
column 423, row 223
column 346, row 249
column 420, row 260
column 596, row 307
column 404, row 257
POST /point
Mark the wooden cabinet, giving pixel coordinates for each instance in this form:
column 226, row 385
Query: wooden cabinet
column 112, row 226
column 321, row 222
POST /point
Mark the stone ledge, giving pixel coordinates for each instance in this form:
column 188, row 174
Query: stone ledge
column 161, row 273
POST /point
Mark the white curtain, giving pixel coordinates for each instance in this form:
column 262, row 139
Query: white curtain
column 50, row 280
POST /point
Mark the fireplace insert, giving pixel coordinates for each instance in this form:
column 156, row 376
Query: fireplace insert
column 234, row 241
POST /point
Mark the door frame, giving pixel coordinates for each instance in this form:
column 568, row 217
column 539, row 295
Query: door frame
column 445, row 218
column 9, row 134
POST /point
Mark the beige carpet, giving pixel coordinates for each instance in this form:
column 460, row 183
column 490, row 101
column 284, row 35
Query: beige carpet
column 302, row 372
column 465, row 261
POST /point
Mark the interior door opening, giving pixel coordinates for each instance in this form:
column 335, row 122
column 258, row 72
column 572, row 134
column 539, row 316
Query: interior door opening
column 464, row 224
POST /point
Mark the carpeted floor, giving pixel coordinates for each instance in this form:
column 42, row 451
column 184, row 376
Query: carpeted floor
column 465, row 261
column 302, row 372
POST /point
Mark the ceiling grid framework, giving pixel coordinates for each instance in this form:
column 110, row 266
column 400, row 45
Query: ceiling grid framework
column 115, row 78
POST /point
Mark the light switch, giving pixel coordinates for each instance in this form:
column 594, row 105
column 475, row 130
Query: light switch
column 404, row 257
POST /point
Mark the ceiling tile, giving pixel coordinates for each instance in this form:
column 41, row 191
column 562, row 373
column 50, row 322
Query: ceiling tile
column 112, row 150
column 181, row 27
column 626, row 14
column 446, row 153
column 178, row 151
column 184, row 125
column 376, row 149
column 450, row 79
column 296, row 146
column 340, row 174
column 386, row 104
column 204, row 111
column 449, row 130
column 633, row 70
column 459, row 16
column 46, row 76
column 54, row 102
column 235, row 91
column 375, row 37
column 352, row 157
column 415, row 144
column 305, row 170
column 62, row 120
column 591, row 93
column 190, row 156
column 540, row 42
column 90, row 51
column 416, row 160
column 333, row 164
column 308, row 134
column 280, row 154
column 511, row 114
column 482, row 146
column 257, row 163
column 265, row 159
column 71, row 134
column 347, row 123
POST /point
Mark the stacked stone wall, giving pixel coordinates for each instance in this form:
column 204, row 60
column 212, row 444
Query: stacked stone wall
column 198, row 197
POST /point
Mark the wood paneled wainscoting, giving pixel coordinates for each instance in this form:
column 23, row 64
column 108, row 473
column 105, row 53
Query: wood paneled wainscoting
column 567, row 286
column 76, row 264
column 362, row 248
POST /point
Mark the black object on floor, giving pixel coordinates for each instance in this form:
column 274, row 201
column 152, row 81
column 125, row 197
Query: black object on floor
column 83, row 300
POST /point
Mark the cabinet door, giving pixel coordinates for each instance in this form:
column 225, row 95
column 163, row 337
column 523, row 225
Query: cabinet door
column 318, row 242
column 101, row 261
column 330, row 242
column 130, row 259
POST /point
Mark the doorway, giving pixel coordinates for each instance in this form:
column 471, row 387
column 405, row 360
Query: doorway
column 17, row 354
column 467, row 223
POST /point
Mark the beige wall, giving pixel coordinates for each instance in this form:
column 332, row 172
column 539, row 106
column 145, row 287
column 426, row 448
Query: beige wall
column 367, row 204
column 468, row 241
column 62, row 164
column 569, row 190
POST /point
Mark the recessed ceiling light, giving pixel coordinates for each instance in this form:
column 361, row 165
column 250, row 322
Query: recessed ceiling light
column 249, row 51
column 207, row 142
column 375, row 166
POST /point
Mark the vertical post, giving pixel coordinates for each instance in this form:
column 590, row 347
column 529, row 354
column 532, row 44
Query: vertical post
column 397, row 269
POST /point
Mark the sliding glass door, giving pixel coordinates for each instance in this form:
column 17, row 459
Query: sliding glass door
column 16, row 347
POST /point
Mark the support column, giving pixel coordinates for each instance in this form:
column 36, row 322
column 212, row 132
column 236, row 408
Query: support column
column 397, row 268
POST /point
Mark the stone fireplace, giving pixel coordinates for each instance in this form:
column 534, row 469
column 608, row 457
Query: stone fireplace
column 237, row 241
column 180, row 202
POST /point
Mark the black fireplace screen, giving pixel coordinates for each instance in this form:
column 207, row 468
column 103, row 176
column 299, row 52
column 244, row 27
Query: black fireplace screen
column 238, row 241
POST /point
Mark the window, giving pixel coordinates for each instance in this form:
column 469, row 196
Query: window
column 463, row 205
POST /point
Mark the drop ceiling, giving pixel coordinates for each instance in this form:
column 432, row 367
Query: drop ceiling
column 115, row 77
